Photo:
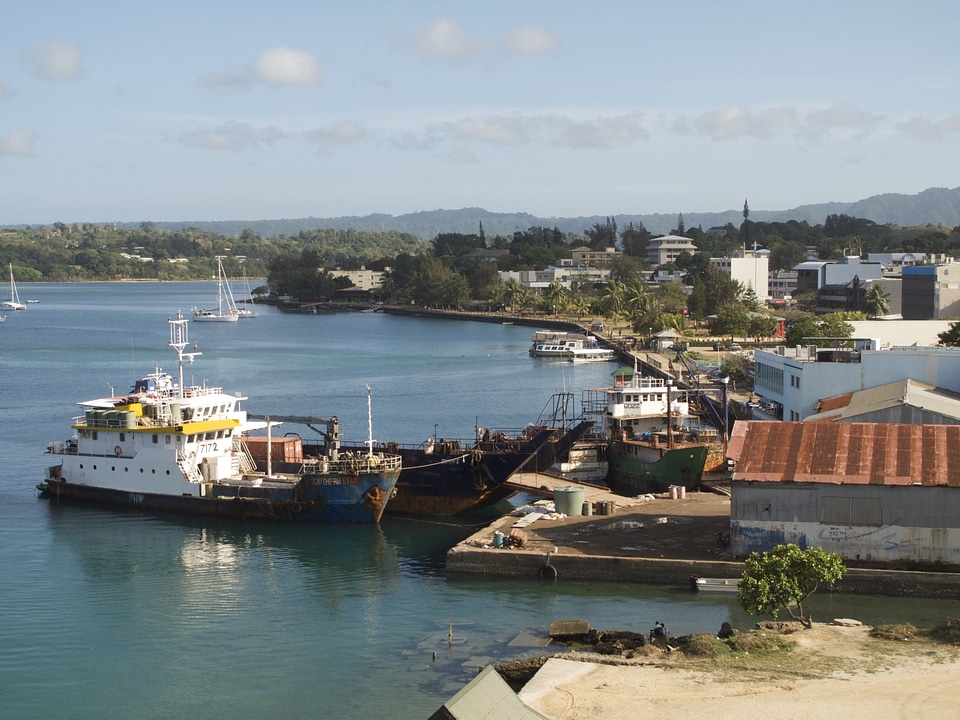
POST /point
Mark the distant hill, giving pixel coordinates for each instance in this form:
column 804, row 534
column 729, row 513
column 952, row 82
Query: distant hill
column 939, row 206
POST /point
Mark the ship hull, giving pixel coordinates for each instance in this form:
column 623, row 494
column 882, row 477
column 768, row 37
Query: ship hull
column 312, row 499
column 448, row 480
column 635, row 469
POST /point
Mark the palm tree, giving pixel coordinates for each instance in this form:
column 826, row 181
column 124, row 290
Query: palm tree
column 875, row 300
column 579, row 305
column 613, row 297
column 556, row 297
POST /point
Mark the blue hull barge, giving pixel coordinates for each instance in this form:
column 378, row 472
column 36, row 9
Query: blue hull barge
column 169, row 448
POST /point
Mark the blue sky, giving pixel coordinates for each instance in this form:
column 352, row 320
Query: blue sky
column 129, row 111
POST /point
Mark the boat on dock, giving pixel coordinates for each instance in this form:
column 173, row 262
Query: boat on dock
column 650, row 436
column 193, row 450
column 446, row 477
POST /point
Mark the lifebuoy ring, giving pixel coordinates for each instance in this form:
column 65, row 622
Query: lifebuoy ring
column 548, row 571
column 118, row 451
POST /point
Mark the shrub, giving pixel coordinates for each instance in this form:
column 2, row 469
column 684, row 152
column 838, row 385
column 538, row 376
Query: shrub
column 948, row 631
column 899, row 631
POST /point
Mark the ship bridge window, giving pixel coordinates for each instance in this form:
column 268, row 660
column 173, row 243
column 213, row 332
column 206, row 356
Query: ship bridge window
column 166, row 439
column 155, row 438
column 94, row 434
column 123, row 436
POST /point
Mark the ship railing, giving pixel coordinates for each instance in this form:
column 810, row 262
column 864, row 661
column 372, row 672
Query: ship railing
column 188, row 467
column 361, row 462
column 245, row 462
column 59, row 447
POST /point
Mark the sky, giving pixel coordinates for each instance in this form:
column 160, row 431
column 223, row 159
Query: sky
column 204, row 110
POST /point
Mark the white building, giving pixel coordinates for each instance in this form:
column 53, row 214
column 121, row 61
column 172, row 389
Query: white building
column 666, row 249
column 797, row 378
column 362, row 279
column 751, row 269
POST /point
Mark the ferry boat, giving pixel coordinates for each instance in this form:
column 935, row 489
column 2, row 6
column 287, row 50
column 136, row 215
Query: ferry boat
column 566, row 345
column 650, row 441
column 168, row 447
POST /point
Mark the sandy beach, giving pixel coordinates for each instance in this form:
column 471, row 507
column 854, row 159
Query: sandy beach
column 834, row 671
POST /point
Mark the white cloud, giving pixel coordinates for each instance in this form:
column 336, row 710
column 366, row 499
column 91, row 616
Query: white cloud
column 510, row 130
column 531, row 40
column 55, row 60
column 232, row 136
column 604, row 133
column 284, row 66
column 921, row 128
column 344, row 132
column 445, row 39
column 736, row 122
column 19, row 142
column 845, row 119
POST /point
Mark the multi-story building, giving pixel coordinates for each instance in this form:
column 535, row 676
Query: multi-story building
column 667, row 248
column 931, row 292
column 795, row 379
column 588, row 257
column 751, row 269
column 782, row 284
column 362, row 279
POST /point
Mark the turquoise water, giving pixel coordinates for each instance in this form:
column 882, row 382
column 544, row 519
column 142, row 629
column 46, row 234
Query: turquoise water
column 115, row 614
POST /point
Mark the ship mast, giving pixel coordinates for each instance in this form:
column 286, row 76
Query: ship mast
column 179, row 341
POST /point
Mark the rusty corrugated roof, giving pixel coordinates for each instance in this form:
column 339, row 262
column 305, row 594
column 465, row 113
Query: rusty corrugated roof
column 860, row 453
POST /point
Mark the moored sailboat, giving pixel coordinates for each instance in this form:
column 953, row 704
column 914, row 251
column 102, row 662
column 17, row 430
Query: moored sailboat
column 226, row 308
column 14, row 302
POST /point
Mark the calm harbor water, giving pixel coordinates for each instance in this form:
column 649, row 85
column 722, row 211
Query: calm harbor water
column 114, row 614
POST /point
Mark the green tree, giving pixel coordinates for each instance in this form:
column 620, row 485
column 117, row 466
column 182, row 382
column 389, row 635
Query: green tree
column 731, row 319
column 602, row 235
column 784, row 577
column 806, row 329
column 875, row 300
column 613, row 297
column 761, row 326
column 951, row 336
column 556, row 298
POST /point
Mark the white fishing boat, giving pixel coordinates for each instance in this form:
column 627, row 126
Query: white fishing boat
column 706, row 584
column 14, row 302
column 167, row 447
column 226, row 308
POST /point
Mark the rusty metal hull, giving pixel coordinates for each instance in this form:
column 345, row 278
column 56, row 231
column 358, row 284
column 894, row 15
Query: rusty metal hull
column 456, row 478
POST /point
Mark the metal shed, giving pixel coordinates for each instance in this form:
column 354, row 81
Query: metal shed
column 872, row 492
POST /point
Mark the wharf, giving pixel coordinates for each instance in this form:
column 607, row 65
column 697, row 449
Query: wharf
column 542, row 484
column 660, row 541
